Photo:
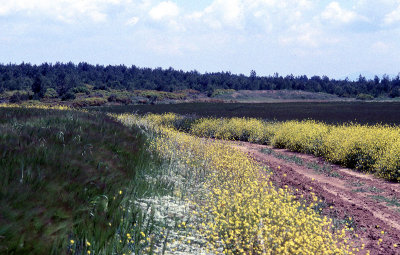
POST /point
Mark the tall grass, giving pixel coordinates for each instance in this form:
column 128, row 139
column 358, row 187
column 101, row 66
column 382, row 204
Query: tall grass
column 70, row 182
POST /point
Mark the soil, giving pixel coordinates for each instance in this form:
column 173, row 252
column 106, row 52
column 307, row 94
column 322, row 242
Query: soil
column 364, row 202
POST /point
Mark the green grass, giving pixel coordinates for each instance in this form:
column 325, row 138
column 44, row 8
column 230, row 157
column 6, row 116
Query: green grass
column 372, row 189
column 357, row 184
column 390, row 201
column 68, row 175
column 326, row 169
column 293, row 158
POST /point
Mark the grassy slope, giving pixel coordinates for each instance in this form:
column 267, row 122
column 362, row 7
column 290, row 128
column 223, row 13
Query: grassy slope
column 59, row 171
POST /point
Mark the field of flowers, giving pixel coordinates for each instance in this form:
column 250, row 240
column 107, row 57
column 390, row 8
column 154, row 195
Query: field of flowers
column 373, row 149
column 241, row 210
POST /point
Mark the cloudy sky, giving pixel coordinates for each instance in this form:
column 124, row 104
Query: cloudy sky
column 321, row 37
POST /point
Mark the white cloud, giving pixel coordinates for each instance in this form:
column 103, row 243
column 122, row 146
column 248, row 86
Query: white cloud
column 220, row 13
column 302, row 35
column 170, row 46
column 381, row 47
column 336, row 15
column 229, row 11
column 132, row 21
column 392, row 17
column 164, row 10
column 65, row 10
column 248, row 14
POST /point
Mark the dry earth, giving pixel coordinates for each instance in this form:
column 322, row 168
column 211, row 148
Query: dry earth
column 363, row 202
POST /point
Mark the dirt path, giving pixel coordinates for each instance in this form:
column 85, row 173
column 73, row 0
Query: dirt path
column 363, row 202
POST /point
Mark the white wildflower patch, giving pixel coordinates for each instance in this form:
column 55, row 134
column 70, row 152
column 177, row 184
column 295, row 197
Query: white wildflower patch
column 177, row 225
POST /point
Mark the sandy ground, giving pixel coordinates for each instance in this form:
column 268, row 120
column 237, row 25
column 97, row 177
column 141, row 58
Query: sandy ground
column 366, row 203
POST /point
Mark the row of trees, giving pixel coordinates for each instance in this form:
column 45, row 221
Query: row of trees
column 64, row 77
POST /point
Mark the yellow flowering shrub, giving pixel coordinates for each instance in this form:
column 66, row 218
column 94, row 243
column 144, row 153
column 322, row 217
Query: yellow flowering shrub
column 242, row 129
column 243, row 212
column 357, row 146
column 305, row 136
column 388, row 165
column 165, row 120
column 373, row 149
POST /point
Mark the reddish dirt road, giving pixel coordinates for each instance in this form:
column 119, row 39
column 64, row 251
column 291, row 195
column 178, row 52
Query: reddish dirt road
column 369, row 205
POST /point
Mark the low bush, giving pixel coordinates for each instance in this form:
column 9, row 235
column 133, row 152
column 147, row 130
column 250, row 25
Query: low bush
column 50, row 93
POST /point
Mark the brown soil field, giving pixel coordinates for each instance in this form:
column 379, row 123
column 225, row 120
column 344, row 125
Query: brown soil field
column 371, row 206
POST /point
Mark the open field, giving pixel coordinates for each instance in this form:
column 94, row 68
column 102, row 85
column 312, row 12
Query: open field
column 332, row 112
column 81, row 182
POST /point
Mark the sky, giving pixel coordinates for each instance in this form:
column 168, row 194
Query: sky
column 320, row 37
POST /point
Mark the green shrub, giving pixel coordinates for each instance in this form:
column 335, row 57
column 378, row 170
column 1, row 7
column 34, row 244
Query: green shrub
column 155, row 95
column 68, row 96
column 81, row 89
column 19, row 97
column 50, row 93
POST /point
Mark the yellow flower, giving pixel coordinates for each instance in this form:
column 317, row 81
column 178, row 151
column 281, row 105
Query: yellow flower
column 239, row 206
column 71, row 241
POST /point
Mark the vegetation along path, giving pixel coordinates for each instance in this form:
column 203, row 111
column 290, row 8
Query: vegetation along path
column 369, row 205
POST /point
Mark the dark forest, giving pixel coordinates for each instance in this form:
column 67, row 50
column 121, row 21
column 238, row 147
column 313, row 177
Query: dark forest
column 66, row 78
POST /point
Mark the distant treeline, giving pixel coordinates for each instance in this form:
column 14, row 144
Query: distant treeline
column 66, row 77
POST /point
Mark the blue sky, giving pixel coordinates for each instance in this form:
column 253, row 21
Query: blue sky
column 322, row 37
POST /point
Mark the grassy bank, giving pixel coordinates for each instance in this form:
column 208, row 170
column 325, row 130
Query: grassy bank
column 69, row 183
